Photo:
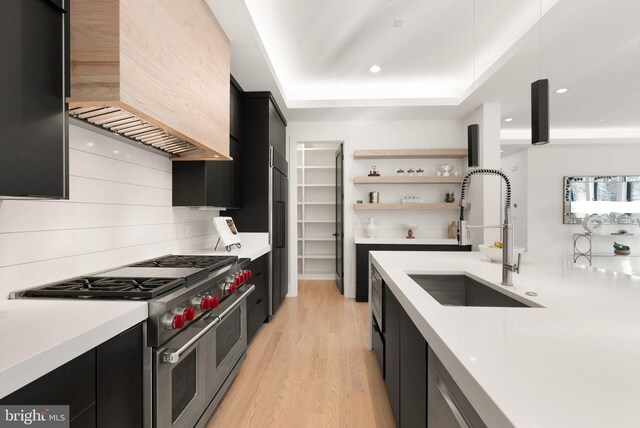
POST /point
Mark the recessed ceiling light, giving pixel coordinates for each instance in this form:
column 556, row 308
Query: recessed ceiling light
column 509, row 119
column 375, row 68
column 602, row 120
column 501, row 151
column 561, row 90
column 117, row 152
column 89, row 144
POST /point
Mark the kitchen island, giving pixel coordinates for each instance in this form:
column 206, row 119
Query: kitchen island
column 569, row 360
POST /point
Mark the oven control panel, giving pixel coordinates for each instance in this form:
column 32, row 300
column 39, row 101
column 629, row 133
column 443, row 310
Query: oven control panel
column 199, row 304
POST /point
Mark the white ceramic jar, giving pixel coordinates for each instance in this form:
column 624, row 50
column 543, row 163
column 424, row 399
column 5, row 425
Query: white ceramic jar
column 370, row 228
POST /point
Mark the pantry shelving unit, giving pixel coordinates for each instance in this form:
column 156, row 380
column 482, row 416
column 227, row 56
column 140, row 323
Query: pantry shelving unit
column 316, row 210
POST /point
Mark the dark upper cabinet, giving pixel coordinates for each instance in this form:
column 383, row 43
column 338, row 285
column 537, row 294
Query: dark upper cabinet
column 214, row 183
column 33, row 112
column 235, row 103
column 209, row 183
column 263, row 126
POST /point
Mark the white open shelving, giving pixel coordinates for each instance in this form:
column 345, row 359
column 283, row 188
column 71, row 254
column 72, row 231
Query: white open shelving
column 316, row 210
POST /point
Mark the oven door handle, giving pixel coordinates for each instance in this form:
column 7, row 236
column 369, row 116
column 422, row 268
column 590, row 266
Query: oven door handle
column 171, row 356
column 237, row 302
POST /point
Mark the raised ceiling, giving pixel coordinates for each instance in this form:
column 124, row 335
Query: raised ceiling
column 321, row 51
column 315, row 57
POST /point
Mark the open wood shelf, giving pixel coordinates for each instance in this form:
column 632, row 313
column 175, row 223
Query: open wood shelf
column 431, row 206
column 408, row 180
column 410, row 154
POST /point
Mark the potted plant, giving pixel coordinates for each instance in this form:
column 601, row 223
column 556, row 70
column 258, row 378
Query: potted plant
column 621, row 250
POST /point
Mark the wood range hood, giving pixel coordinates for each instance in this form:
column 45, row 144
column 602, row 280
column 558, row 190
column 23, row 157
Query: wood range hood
column 156, row 71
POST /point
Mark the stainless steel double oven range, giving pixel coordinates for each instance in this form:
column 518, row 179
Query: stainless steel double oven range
column 196, row 333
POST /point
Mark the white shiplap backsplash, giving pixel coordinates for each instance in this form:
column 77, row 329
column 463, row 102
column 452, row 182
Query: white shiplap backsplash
column 119, row 212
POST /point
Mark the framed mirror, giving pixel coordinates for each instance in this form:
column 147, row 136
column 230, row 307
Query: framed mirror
column 615, row 199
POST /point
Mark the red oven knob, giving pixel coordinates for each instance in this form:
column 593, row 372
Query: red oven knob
column 237, row 281
column 200, row 302
column 233, row 288
column 245, row 275
column 189, row 314
column 250, row 272
column 213, row 302
column 177, row 321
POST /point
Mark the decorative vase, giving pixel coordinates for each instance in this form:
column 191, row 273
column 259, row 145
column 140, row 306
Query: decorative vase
column 370, row 228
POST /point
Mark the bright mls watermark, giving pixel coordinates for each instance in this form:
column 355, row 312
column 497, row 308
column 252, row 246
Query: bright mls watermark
column 34, row 416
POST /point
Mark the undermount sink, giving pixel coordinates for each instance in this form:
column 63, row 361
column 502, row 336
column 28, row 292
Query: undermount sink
column 460, row 290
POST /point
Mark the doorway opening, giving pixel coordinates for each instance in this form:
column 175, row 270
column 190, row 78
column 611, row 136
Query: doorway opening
column 320, row 211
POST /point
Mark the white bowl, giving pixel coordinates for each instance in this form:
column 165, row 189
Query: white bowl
column 495, row 254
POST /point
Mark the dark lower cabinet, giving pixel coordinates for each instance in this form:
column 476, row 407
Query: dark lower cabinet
column 392, row 351
column 119, row 380
column 362, row 261
column 102, row 387
column 413, row 375
column 258, row 301
column 73, row 385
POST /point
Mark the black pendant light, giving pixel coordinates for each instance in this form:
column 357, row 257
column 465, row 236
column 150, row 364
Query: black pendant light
column 540, row 112
column 473, row 137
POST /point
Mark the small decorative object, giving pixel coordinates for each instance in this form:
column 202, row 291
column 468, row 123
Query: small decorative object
column 452, row 230
column 450, row 197
column 410, row 227
column 622, row 232
column 621, row 250
column 494, row 251
column 592, row 223
column 456, row 173
column 374, row 172
column 411, row 172
column 411, row 200
column 371, row 228
column 374, row 197
column 400, row 172
column 438, row 173
column 447, row 169
column 420, row 172
column 359, row 201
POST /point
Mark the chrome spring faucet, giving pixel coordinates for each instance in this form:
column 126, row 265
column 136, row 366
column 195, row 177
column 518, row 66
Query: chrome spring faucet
column 508, row 267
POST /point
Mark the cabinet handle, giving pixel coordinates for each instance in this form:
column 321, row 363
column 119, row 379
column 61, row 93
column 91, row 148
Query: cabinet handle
column 442, row 387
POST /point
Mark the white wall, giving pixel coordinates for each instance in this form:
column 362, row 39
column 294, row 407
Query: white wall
column 546, row 165
column 119, row 212
column 358, row 135
column 515, row 166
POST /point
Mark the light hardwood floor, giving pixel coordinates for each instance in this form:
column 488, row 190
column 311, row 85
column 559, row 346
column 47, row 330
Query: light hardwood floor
column 309, row 367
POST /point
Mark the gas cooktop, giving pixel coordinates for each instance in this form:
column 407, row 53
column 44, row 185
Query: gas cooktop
column 188, row 261
column 144, row 280
column 107, row 287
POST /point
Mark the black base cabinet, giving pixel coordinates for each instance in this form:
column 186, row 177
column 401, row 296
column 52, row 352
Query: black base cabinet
column 392, row 313
column 413, row 374
column 258, row 301
column 102, row 387
column 362, row 261
column 405, row 362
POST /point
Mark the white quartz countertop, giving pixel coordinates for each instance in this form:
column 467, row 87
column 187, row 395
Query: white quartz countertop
column 571, row 363
column 39, row 335
column 254, row 245
column 405, row 241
